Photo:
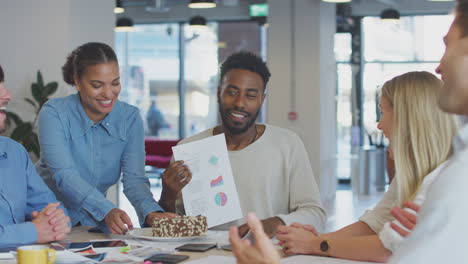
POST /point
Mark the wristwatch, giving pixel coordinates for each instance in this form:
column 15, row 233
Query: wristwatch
column 325, row 247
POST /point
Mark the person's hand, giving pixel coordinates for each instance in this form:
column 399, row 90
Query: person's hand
column 176, row 176
column 158, row 215
column 262, row 252
column 243, row 230
column 57, row 218
column 270, row 226
column 309, row 228
column 174, row 179
column 406, row 218
column 296, row 240
column 46, row 231
column 118, row 221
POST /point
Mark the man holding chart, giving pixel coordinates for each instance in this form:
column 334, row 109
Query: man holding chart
column 270, row 165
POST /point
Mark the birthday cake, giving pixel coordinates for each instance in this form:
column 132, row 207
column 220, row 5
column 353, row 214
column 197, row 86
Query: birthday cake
column 183, row 226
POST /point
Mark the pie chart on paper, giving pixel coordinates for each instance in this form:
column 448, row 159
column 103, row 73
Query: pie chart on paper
column 221, row 199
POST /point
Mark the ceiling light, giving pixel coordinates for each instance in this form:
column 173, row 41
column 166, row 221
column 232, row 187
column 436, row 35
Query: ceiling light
column 124, row 25
column 118, row 7
column 337, row 1
column 197, row 21
column 202, row 4
column 390, row 15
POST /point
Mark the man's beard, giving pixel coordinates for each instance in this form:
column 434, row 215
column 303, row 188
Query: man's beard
column 3, row 129
column 236, row 130
column 5, row 126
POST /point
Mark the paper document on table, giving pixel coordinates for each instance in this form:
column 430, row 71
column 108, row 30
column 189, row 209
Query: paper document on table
column 304, row 259
column 214, row 260
column 69, row 257
column 212, row 191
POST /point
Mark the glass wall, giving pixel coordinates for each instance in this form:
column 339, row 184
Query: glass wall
column 149, row 58
column 343, row 104
column 201, row 78
column 390, row 49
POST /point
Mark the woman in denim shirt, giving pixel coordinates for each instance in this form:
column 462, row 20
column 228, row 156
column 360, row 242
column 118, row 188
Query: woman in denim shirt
column 89, row 139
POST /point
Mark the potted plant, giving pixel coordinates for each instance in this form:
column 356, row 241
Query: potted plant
column 24, row 131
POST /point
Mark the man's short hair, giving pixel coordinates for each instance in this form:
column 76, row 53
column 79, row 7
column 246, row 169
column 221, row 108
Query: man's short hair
column 462, row 16
column 246, row 61
column 2, row 75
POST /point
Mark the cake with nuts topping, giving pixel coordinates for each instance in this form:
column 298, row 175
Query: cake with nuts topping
column 184, row 226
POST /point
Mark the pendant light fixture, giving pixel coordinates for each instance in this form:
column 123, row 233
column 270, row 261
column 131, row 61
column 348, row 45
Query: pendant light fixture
column 202, row 4
column 197, row 21
column 118, row 9
column 390, row 15
column 124, row 25
column 337, row 1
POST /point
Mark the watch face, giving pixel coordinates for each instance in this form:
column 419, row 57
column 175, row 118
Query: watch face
column 324, row 246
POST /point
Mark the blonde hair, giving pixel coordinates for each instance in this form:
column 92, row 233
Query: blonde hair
column 421, row 132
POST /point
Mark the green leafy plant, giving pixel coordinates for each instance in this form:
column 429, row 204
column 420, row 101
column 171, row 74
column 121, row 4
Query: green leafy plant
column 24, row 131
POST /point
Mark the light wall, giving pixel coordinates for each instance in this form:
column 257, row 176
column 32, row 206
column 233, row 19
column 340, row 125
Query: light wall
column 38, row 35
column 301, row 59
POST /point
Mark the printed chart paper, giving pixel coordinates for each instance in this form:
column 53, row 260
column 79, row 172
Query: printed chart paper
column 212, row 191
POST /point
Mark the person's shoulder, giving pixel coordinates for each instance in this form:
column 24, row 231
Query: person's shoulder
column 126, row 107
column 127, row 110
column 276, row 132
column 9, row 144
column 61, row 101
column 62, row 104
column 6, row 141
column 201, row 135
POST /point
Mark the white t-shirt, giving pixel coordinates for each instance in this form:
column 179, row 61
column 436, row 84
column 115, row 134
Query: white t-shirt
column 442, row 230
column 379, row 218
column 273, row 178
column 392, row 239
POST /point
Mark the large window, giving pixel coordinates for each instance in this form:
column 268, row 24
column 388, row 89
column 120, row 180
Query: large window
column 343, row 104
column 390, row 49
column 149, row 58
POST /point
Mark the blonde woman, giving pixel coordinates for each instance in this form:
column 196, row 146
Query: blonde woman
column 420, row 136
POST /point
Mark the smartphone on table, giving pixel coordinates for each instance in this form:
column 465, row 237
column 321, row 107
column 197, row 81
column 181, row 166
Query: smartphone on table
column 196, row 247
column 96, row 244
column 167, row 258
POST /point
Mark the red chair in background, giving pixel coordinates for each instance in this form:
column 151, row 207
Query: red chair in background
column 158, row 156
column 158, row 152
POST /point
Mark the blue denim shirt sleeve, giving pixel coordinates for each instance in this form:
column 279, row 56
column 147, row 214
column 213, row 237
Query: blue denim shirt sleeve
column 39, row 194
column 136, row 184
column 55, row 150
column 17, row 234
column 26, row 192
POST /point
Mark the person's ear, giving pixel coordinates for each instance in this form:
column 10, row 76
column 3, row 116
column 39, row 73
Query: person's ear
column 264, row 94
column 464, row 45
column 77, row 82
